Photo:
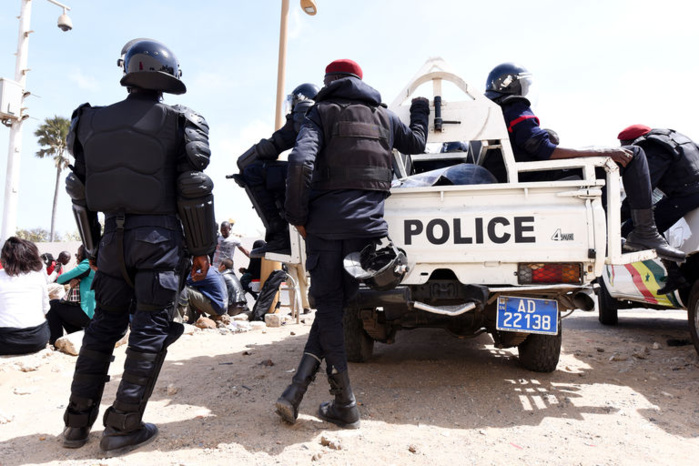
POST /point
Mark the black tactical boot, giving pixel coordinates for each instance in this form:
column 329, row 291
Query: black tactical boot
column 117, row 441
column 79, row 417
column 645, row 236
column 88, row 380
column 277, row 239
column 288, row 404
column 343, row 410
column 674, row 279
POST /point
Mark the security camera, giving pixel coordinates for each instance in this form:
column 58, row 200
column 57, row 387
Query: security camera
column 65, row 23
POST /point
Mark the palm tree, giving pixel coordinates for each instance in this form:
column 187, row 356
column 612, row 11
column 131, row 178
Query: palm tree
column 52, row 140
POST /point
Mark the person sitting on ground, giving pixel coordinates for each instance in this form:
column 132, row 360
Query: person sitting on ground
column 54, row 270
column 252, row 272
column 205, row 296
column 237, row 304
column 74, row 312
column 24, row 298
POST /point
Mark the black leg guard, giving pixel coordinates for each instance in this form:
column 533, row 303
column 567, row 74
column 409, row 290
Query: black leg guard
column 645, row 236
column 82, row 411
column 342, row 411
column 287, row 405
column 277, row 235
column 124, row 429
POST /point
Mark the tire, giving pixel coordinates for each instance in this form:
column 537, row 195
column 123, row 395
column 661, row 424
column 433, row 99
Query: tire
column 540, row 353
column 607, row 307
column 358, row 344
column 693, row 315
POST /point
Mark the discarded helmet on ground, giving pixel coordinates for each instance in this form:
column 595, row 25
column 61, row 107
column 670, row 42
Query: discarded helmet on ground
column 150, row 65
column 381, row 266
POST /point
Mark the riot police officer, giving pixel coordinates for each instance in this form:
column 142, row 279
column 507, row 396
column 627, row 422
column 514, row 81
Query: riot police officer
column 508, row 85
column 340, row 172
column 673, row 163
column 264, row 177
column 139, row 162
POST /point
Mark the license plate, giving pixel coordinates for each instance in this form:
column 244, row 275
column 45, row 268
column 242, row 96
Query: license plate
column 527, row 315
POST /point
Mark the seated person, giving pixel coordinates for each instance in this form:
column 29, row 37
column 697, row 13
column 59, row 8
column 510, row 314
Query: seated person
column 264, row 177
column 55, row 268
column 508, row 85
column 252, row 272
column 206, row 296
column 24, row 298
column 237, row 303
column 75, row 310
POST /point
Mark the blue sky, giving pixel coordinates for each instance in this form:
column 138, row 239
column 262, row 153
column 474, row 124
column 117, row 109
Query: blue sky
column 598, row 66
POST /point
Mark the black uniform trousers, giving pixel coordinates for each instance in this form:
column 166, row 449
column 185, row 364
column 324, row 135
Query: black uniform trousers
column 668, row 211
column 331, row 288
column 153, row 254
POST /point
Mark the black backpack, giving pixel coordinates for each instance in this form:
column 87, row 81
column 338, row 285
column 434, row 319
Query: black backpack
column 267, row 294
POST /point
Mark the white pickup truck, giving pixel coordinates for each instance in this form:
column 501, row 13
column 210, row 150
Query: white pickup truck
column 504, row 258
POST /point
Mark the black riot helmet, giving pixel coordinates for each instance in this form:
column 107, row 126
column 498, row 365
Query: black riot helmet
column 305, row 91
column 380, row 266
column 508, row 79
column 149, row 64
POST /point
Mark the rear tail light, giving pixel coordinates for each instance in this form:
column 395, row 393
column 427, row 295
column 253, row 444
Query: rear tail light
column 530, row 274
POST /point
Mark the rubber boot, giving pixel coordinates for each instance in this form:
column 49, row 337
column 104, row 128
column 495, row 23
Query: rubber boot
column 674, row 279
column 82, row 411
column 645, row 236
column 342, row 411
column 287, row 405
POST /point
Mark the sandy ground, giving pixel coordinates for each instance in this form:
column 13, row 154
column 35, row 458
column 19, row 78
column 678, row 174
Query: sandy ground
column 619, row 396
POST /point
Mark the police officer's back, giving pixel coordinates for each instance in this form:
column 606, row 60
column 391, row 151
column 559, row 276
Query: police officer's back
column 139, row 162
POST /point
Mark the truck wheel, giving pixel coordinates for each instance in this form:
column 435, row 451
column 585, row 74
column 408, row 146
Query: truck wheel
column 607, row 307
column 540, row 353
column 693, row 315
column 358, row 344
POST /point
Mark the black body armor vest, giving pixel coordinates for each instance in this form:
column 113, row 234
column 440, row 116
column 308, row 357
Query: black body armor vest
column 682, row 177
column 131, row 149
column 357, row 152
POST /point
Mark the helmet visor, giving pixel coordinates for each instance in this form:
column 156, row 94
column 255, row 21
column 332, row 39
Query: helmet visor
column 525, row 81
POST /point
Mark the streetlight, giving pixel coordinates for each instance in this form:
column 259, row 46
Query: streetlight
column 309, row 7
column 9, row 216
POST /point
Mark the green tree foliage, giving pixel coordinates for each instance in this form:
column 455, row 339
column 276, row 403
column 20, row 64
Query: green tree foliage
column 52, row 139
column 36, row 235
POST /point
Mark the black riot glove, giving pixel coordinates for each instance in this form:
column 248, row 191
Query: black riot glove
column 420, row 106
column 266, row 150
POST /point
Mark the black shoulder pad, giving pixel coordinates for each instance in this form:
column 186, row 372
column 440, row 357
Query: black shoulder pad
column 192, row 117
column 73, row 130
column 513, row 99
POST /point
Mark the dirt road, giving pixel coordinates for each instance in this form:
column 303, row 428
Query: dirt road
column 619, row 396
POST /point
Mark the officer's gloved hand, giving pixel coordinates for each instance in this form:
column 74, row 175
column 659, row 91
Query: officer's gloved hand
column 420, row 105
column 266, row 150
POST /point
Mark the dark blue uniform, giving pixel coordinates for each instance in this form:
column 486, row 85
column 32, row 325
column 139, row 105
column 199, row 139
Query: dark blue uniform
column 531, row 143
column 342, row 212
column 673, row 163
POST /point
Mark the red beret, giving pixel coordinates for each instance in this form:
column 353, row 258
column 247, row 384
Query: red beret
column 633, row 132
column 344, row 66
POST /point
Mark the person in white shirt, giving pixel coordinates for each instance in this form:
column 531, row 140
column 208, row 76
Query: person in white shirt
column 24, row 298
column 227, row 244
